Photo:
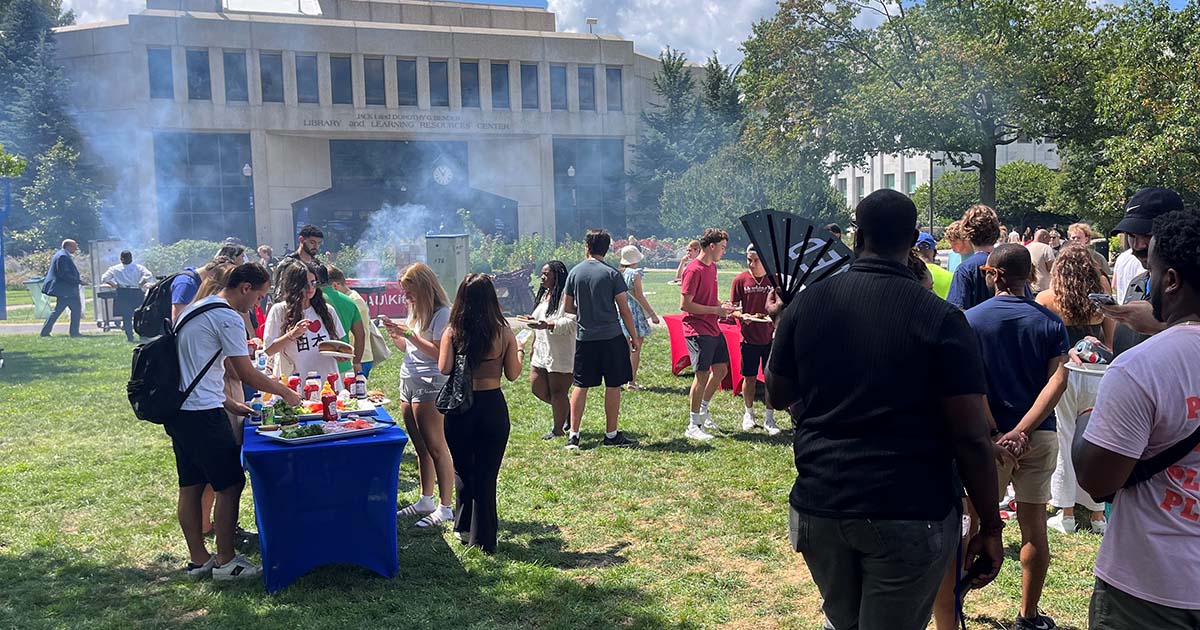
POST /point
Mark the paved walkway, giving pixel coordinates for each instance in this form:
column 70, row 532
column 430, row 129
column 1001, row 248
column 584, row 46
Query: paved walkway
column 61, row 327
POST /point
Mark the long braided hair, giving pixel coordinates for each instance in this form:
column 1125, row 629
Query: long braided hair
column 294, row 283
column 1073, row 276
column 558, row 271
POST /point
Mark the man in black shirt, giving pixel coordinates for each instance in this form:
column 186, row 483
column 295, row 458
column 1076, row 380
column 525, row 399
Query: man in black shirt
column 896, row 397
column 310, row 239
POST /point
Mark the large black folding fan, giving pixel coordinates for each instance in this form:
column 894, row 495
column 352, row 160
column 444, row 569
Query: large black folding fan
column 795, row 252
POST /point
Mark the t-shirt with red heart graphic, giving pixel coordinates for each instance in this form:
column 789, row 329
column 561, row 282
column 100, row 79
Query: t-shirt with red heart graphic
column 301, row 355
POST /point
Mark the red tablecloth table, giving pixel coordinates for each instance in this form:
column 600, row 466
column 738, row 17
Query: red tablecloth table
column 733, row 340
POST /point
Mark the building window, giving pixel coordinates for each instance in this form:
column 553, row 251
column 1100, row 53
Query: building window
column 162, row 80
column 342, row 79
column 499, row 85
column 558, row 87
column 271, row 74
column 889, row 181
column 201, row 191
column 910, row 182
column 307, row 90
column 860, row 189
column 236, row 88
column 529, row 86
column 373, row 80
column 587, row 88
column 841, row 187
column 198, row 80
column 613, row 78
column 406, row 82
column 468, row 72
column 439, row 83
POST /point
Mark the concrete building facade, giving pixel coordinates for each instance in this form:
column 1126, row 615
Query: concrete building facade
column 906, row 172
column 213, row 123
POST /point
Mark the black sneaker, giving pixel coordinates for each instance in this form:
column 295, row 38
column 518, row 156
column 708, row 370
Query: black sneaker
column 1040, row 622
column 572, row 442
column 618, row 440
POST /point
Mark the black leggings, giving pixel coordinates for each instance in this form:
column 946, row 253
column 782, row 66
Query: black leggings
column 477, row 440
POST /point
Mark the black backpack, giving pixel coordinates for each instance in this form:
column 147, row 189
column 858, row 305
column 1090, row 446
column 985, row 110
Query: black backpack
column 155, row 379
column 156, row 307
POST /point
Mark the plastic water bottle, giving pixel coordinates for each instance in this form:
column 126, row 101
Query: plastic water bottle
column 260, row 361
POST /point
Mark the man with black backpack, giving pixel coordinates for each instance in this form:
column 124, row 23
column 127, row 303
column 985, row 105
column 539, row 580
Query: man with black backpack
column 1141, row 444
column 207, row 332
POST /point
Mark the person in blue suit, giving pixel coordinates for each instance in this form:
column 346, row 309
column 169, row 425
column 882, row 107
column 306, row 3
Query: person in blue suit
column 62, row 282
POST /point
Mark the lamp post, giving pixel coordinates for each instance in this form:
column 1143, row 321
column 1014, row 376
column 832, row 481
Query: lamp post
column 931, row 193
column 4, row 210
column 571, row 185
column 248, row 173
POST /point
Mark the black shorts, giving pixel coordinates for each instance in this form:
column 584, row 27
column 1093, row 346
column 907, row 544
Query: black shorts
column 753, row 356
column 606, row 359
column 706, row 351
column 205, row 449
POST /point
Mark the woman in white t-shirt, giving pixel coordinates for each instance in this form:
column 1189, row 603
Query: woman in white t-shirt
column 553, row 364
column 297, row 323
column 420, row 381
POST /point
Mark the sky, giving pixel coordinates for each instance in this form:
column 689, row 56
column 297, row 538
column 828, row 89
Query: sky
column 699, row 28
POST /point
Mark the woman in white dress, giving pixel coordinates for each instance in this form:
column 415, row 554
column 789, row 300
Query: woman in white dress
column 553, row 362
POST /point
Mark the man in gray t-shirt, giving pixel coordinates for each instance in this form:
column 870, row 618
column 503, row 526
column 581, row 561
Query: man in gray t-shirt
column 595, row 292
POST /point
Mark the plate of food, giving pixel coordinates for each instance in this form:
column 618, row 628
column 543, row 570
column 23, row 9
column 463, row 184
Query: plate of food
column 337, row 349
column 378, row 398
column 355, row 405
column 325, row 431
column 758, row 318
column 525, row 319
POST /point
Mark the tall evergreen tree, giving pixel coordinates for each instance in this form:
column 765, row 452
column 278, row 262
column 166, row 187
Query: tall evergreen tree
column 59, row 203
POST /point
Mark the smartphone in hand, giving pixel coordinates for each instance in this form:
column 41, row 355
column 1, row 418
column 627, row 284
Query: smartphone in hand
column 1102, row 299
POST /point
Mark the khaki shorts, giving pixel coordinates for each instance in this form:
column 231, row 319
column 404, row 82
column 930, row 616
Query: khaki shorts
column 1031, row 480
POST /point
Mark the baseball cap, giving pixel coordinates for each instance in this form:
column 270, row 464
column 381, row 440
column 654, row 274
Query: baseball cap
column 926, row 241
column 1143, row 207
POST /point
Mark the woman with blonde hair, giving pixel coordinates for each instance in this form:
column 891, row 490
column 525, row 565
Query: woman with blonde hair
column 420, row 337
column 1075, row 275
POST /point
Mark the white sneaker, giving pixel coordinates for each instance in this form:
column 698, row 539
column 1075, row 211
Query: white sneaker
column 748, row 422
column 198, row 571
column 708, row 422
column 772, row 428
column 694, row 432
column 1062, row 523
column 1099, row 527
column 237, row 569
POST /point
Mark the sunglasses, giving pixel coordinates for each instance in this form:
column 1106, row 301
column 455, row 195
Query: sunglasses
column 991, row 269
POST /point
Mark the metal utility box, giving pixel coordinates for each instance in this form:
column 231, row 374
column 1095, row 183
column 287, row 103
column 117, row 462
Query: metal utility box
column 447, row 256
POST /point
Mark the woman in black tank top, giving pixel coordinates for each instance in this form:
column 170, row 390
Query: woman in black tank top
column 479, row 436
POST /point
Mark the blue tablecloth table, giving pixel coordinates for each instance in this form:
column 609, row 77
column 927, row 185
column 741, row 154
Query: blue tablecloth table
column 323, row 503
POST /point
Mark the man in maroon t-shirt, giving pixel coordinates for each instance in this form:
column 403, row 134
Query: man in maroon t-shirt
column 706, row 344
column 749, row 296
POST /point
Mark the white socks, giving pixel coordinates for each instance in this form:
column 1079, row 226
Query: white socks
column 769, row 415
column 703, row 407
column 697, row 419
column 610, row 434
column 426, row 504
column 575, row 434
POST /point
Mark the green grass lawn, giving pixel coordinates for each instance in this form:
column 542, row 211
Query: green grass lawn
column 673, row 534
column 21, row 297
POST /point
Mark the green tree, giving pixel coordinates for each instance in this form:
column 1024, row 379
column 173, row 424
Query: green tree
column 667, row 146
column 959, row 76
column 10, row 165
column 1148, row 111
column 60, row 202
column 738, row 179
column 1025, row 194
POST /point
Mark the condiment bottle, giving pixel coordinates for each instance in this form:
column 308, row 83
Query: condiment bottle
column 312, row 387
column 329, row 410
column 360, row 386
column 348, row 382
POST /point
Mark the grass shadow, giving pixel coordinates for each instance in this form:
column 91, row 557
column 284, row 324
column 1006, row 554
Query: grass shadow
column 677, row 445
column 659, row 389
column 757, row 437
column 988, row 621
column 546, row 546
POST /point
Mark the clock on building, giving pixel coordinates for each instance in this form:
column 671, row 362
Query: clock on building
column 443, row 174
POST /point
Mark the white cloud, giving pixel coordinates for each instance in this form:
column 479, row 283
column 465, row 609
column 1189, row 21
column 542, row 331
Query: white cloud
column 696, row 28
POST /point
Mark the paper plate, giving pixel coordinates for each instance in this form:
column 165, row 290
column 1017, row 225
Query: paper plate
column 340, row 356
column 1090, row 369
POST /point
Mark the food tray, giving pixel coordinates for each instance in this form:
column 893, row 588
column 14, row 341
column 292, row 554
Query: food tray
column 275, row 435
column 756, row 320
column 365, row 407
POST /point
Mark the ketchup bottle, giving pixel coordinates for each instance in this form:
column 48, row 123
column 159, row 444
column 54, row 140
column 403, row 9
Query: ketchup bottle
column 348, row 382
column 329, row 412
